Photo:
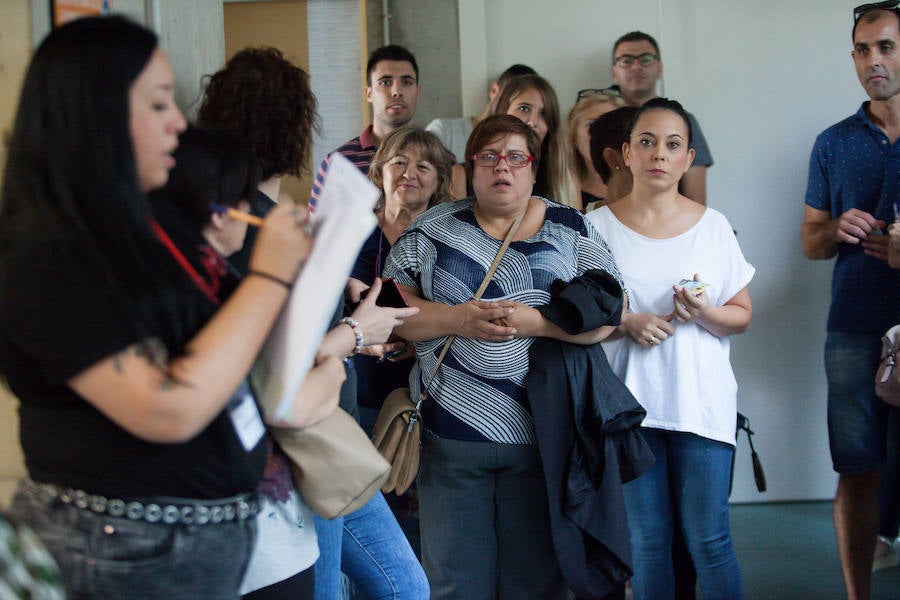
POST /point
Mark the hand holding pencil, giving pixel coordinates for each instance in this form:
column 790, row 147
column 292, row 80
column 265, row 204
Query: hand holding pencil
column 236, row 214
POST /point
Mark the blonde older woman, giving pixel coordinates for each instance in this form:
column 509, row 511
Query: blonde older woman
column 413, row 170
column 483, row 505
column 578, row 143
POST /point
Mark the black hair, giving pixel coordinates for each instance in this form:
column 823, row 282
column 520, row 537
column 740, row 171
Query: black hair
column 662, row 104
column 872, row 15
column 636, row 36
column 70, row 173
column 610, row 130
column 211, row 167
column 514, row 71
column 390, row 52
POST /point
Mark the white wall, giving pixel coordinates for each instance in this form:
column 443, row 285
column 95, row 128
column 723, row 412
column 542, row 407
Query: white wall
column 764, row 78
column 335, row 70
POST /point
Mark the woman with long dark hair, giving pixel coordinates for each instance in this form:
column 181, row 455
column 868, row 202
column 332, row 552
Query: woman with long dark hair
column 142, row 451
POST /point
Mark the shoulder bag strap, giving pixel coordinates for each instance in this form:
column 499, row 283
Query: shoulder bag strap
column 485, row 282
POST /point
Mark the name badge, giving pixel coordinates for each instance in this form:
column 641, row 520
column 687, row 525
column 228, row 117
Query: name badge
column 245, row 417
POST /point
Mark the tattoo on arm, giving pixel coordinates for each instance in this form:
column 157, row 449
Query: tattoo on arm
column 155, row 352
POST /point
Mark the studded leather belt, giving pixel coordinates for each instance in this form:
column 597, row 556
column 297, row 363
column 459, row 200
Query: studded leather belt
column 171, row 511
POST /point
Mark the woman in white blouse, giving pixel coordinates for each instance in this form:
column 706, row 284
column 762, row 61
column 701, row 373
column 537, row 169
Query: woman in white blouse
column 688, row 288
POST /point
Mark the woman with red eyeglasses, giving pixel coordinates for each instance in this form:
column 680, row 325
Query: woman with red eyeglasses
column 483, row 503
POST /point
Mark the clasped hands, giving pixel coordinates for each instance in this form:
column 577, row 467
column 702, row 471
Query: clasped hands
column 649, row 329
column 497, row 321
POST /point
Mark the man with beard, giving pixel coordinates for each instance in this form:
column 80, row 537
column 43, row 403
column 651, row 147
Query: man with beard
column 854, row 185
column 393, row 89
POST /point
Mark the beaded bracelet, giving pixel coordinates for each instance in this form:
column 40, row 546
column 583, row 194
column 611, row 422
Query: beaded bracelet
column 289, row 286
column 357, row 331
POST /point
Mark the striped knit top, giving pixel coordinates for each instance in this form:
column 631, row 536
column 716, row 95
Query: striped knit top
column 478, row 393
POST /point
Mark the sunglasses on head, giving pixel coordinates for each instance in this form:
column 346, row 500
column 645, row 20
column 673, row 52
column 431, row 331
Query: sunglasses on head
column 611, row 92
column 864, row 8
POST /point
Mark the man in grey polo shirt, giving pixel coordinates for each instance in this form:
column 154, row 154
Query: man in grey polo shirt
column 636, row 67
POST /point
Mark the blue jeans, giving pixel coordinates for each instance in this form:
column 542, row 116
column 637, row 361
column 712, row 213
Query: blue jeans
column 857, row 418
column 101, row 556
column 369, row 546
column 689, row 479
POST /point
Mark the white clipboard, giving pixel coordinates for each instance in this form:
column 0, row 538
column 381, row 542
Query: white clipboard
column 342, row 222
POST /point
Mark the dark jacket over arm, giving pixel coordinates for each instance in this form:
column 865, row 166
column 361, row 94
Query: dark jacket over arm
column 587, row 428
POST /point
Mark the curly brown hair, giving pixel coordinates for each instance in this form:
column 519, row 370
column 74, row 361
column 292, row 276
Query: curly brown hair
column 264, row 100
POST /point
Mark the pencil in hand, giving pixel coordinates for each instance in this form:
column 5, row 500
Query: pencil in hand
column 236, row 214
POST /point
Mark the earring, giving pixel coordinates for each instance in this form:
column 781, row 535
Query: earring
column 618, row 168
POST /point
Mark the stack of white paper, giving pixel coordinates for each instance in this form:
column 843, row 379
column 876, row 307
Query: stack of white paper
column 342, row 222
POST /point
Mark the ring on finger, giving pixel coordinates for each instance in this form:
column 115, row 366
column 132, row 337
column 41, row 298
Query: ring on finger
column 653, row 340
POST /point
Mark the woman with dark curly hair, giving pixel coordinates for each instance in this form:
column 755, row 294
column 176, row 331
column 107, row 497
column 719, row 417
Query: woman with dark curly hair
column 265, row 101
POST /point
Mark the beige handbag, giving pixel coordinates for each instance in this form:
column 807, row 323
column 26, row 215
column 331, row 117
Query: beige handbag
column 397, row 434
column 335, row 466
column 398, row 429
column 887, row 379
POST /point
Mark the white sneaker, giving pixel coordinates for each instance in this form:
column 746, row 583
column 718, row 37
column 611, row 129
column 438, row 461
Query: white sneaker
column 887, row 553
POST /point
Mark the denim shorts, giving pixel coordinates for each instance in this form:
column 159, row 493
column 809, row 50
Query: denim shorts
column 101, row 556
column 857, row 418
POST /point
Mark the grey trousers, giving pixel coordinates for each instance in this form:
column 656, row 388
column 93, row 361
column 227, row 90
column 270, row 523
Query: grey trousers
column 484, row 522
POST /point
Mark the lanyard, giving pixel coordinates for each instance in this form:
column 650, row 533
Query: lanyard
column 183, row 262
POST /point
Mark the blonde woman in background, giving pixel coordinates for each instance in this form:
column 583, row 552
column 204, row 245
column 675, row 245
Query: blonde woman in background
column 591, row 186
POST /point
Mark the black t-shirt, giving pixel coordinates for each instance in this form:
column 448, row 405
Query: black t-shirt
column 57, row 318
column 260, row 207
column 376, row 379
